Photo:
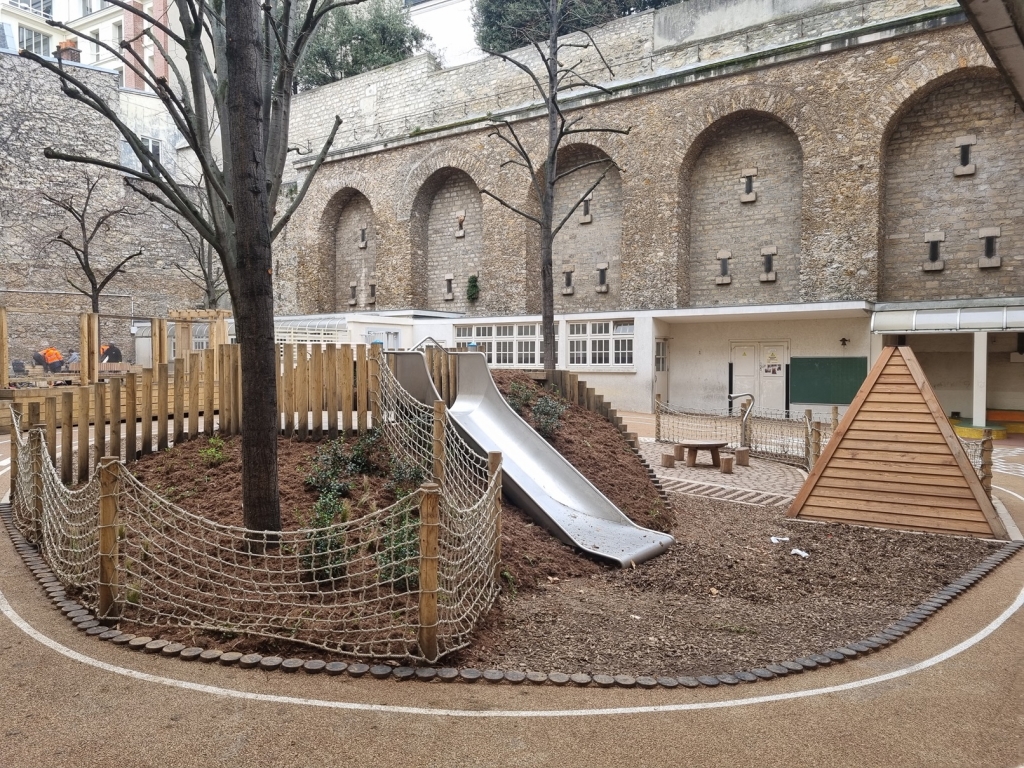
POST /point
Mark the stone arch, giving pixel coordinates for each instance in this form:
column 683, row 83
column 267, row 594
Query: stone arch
column 440, row 158
column 447, row 239
column 720, row 215
column 926, row 194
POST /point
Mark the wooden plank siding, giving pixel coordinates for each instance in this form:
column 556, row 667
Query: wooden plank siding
column 894, row 462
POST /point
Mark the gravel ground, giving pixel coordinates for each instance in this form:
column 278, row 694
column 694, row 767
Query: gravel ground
column 723, row 598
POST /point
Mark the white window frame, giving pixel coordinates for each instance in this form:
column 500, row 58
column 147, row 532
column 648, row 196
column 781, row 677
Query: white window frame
column 508, row 344
column 602, row 345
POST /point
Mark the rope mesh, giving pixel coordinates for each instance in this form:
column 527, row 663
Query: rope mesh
column 770, row 434
column 351, row 588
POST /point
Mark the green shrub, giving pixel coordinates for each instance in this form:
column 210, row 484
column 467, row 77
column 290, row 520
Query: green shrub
column 213, row 454
column 520, row 396
column 547, row 413
column 473, row 288
column 405, row 478
column 398, row 556
column 328, row 469
column 326, row 553
column 362, row 460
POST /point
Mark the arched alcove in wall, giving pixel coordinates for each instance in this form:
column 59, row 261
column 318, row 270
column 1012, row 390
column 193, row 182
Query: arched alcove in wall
column 742, row 184
column 952, row 161
column 354, row 241
column 447, row 232
column 586, row 257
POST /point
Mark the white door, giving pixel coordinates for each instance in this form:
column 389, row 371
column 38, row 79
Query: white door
column 744, row 370
column 661, row 369
column 773, row 357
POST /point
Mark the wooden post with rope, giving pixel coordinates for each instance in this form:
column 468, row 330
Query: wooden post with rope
column 67, row 426
column 430, row 523
column 131, row 415
column 115, row 417
column 99, row 430
column 440, row 416
column 84, row 400
column 50, row 419
column 494, row 476
column 107, row 587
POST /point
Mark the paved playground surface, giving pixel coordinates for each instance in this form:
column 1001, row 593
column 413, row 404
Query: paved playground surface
column 950, row 694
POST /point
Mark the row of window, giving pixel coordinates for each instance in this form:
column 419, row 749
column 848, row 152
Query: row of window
column 603, row 343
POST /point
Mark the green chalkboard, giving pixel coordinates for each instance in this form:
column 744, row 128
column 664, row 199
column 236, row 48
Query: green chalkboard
column 826, row 380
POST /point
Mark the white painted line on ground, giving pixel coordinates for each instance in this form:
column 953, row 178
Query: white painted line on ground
column 4, row 462
column 1011, row 527
column 29, row 630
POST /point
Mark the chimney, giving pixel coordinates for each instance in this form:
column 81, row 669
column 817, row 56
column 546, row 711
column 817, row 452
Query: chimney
column 68, row 51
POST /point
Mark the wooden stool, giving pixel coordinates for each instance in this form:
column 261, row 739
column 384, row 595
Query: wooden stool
column 668, row 460
column 742, row 457
column 679, row 452
column 726, row 465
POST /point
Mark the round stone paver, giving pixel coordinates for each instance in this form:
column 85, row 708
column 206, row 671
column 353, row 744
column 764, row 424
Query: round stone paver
column 448, row 674
column 270, row 662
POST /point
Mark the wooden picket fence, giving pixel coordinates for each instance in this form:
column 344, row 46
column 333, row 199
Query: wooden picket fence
column 323, row 390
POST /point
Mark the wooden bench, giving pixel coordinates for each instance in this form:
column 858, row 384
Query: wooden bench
column 690, row 448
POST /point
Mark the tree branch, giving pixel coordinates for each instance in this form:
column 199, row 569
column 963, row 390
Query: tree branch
column 511, row 207
column 300, row 196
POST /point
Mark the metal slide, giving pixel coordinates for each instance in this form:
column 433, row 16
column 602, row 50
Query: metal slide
column 536, row 477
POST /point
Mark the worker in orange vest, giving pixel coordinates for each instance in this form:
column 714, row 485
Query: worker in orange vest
column 50, row 358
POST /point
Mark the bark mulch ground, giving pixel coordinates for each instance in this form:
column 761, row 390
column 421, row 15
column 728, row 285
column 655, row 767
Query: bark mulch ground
column 725, row 597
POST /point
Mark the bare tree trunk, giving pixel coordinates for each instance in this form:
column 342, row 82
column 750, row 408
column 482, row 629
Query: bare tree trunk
column 547, row 236
column 252, row 266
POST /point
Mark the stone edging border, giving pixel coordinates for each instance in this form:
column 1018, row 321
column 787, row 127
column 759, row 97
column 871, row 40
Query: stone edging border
column 87, row 623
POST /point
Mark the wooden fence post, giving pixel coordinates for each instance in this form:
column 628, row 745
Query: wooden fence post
column 331, row 377
column 94, row 348
column 224, row 389
column 429, row 529
column 84, row 402
column 85, row 360
column 107, row 586
column 316, row 390
column 361, row 384
column 373, row 383
column 440, row 416
column 16, row 407
column 347, row 396
column 815, row 443
column 835, row 417
column 180, row 382
column 162, row 393
column 236, row 360
column 50, row 418
column 209, row 393
column 288, row 398
column 302, row 390
column 115, row 418
column 195, row 373
column 986, row 462
column 494, row 476
column 131, row 417
column 35, row 446
column 99, row 430
column 67, row 428
column 5, row 357
column 146, row 411
column 808, row 450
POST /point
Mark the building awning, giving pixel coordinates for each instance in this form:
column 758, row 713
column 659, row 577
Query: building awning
column 949, row 320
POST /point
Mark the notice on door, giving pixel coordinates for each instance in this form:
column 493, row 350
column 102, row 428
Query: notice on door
column 773, row 364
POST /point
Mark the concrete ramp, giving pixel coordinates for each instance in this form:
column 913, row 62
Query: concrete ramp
column 536, row 477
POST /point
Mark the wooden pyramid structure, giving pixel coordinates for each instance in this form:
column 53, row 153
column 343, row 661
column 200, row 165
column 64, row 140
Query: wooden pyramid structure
column 895, row 462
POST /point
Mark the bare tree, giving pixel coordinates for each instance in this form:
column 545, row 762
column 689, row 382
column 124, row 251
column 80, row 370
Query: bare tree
column 231, row 101
column 91, row 220
column 559, row 73
column 202, row 268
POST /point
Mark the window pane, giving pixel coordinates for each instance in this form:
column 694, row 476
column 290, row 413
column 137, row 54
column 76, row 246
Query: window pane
column 504, row 330
column 527, row 353
column 463, row 332
column 624, row 327
column 623, row 351
column 578, row 352
column 599, row 354
column 577, row 329
column 483, row 330
column 527, row 330
column 599, row 329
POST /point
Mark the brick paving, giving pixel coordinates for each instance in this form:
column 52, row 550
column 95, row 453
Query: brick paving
column 764, row 482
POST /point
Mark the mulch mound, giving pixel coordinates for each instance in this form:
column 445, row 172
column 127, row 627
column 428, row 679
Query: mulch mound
column 725, row 597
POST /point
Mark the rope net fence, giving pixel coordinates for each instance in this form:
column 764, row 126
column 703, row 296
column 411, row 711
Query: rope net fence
column 351, row 588
column 778, row 435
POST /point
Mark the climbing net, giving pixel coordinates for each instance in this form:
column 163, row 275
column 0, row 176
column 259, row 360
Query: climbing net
column 352, row 587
